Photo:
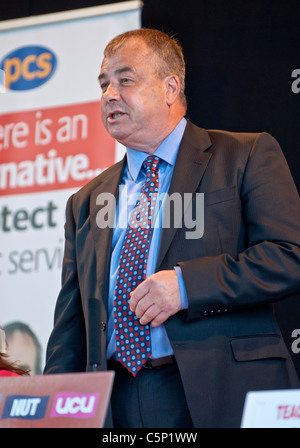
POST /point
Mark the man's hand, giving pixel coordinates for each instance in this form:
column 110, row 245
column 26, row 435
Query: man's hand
column 156, row 298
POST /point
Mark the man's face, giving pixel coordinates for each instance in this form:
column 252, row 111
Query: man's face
column 133, row 105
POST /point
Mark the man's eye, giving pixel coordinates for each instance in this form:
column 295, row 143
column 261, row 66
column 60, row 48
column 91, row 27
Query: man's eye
column 103, row 86
column 125, row 80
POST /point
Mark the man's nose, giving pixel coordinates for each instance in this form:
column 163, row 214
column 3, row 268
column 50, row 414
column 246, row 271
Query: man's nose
column 111, row 93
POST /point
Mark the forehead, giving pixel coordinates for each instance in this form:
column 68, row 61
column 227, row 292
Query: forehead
column 133, row 55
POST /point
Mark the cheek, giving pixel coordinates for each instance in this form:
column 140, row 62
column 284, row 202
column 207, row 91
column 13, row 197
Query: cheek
column 103, row 115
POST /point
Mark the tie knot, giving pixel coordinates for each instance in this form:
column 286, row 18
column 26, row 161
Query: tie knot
column 151, row 164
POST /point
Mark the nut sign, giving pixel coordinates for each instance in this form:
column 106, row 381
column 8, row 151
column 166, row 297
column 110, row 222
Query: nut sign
column 28, row 67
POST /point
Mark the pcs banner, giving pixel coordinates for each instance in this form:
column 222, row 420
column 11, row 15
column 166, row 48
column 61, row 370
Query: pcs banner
column 52, row 142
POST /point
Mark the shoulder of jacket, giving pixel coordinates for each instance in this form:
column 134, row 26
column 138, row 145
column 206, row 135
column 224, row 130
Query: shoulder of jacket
column 86, row 190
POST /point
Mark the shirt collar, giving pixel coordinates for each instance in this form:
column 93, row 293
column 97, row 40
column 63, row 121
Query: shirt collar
column 167, row 151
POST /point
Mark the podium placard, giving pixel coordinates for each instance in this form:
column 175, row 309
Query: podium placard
column 272, row 409
column 78, row 400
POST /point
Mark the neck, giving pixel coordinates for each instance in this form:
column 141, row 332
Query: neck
column 154, row 141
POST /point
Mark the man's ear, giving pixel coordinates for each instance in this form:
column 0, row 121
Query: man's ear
column 172, row 84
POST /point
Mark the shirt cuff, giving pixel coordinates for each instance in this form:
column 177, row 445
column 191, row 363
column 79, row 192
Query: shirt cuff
column 183, row 293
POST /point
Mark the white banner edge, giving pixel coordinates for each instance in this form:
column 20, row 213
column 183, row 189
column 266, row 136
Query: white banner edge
column 73, row 14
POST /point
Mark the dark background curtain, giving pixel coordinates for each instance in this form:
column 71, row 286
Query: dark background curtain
column 240, row 57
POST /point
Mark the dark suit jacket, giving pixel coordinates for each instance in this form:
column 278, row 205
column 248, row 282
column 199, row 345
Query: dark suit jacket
column 228, row 341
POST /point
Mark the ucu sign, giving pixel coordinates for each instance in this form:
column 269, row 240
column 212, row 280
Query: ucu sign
column 69, row 404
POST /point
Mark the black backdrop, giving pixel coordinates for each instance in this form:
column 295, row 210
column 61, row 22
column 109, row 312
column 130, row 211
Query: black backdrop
column 240, row 58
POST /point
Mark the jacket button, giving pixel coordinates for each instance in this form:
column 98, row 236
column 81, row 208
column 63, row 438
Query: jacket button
column 103, row 326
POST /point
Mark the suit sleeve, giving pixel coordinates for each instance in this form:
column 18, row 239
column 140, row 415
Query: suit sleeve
column 66, row 350
column 268, row 267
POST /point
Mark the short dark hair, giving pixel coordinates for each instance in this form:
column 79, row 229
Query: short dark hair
column 167, row 48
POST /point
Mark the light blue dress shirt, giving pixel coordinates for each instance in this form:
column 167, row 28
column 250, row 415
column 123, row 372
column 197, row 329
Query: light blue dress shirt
column 131, row 185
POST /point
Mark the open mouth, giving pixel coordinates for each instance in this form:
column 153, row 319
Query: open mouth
column 115, row 115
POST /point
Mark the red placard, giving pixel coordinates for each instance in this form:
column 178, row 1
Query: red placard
column 53, row 148
column 69, row 400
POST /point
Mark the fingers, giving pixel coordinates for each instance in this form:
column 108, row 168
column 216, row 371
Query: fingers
column 157, row 298
column 159, row 319
column 140, row 292
column 147, row 311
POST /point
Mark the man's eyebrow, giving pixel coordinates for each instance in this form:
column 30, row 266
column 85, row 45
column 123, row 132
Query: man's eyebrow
column 118, row 71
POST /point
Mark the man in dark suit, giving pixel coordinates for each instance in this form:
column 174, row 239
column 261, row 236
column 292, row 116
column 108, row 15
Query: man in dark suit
column 213, row 269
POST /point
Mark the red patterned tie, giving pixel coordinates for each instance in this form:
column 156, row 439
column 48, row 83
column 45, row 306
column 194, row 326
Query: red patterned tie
column 132, row 338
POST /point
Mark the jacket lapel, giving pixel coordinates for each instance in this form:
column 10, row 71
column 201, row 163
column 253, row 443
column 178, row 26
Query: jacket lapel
column 108, row 188
column 189, row 169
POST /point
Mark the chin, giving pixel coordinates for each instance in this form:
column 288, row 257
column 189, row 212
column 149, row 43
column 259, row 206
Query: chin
column 122, row 137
